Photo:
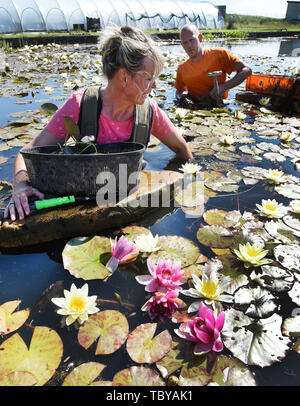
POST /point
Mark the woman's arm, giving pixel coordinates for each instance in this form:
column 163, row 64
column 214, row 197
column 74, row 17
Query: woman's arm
column 177, row 144
column 21, row 186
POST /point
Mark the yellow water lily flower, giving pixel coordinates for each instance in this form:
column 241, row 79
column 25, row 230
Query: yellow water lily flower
column 76, row 304
column 190, row 168
column 146, row 243
column 252, row 255
column 295, row 206
column 287, row 136
column 228, row 140
column 275, row 176
column 209, row 287
column 271, row 208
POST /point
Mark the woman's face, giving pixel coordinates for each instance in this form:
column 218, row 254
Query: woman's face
column 143, row 81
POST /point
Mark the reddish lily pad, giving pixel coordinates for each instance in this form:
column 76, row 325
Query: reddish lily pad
column 18, row 378
column 84, row 374
column 110, row 326
column 81, row 257
column 10, row 321
column 42, row 358
column 137, row 376
column 143, row 348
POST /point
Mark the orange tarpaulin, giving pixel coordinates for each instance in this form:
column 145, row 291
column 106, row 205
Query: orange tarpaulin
column 274, row 85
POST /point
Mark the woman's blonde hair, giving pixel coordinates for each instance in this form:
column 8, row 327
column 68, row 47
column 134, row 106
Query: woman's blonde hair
column 126, row 47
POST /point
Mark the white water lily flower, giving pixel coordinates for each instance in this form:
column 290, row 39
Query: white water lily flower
column 76, row 304
column 240, row 115
column 77, row 82
column 275, row 176
column 264, row 101
column 88, row 138
column 190, row 168
column 210, row 287
column 295, row 206
column 271, row 208
column 146, row 243
column 48, row 89
column 228, row 140
column 63, row 74
column 68, row 84
column 287, row 136
column 96, row 80
column 252, row 255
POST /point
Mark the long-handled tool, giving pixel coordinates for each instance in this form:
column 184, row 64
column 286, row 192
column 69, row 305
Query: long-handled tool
column 216, row 85
column 56, row 201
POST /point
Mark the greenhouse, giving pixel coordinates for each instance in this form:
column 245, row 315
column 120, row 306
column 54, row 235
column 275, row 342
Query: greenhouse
column 60, row 15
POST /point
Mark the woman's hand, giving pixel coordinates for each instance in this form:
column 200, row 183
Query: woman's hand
column 19, row 201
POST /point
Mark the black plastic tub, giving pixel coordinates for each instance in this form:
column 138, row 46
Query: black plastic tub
column 109, row 172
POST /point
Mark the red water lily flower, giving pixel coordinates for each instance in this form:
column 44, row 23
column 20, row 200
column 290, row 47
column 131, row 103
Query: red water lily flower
column 204, row 330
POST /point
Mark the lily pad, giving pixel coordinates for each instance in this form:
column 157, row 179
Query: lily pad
column 216, row 217
column 259, row 302
column 176, row 248
column 137, row 376
column 110, row 326
column 273, row 278
column 192, row 195
column 42, row 358
column 294, row 293
column 254, row 342
column 81, row 257
column 84, row 374
column 171, row 362
column 18, row 378
column 143, row 348
column 215, row 236
column 10, row 321
column 288, row 256
column 291, row 326
column 48, row 109
column 289, row 190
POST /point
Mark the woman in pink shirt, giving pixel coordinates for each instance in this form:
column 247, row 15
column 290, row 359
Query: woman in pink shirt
column 131, row 63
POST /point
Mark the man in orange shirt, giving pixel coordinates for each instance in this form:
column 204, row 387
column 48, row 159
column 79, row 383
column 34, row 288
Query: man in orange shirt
column 192, row 75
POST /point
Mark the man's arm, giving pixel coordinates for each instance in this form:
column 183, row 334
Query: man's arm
column 242, row 72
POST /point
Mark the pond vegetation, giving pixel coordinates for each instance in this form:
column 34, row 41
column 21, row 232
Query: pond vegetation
column 215, row 305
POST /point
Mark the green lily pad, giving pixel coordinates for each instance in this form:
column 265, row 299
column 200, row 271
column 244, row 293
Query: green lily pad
column 131, row 232
column 84, row 374
column 273, row 278
column 215, row 236
column 137, row 376
column 254, row 342
column 72, row 128
column 280, row 232
column 257, row 301
column 81, row 257
column 227, row 156
column 18, row 378
column 48, row 109
column 42, row 358
column 289, row 190
column 110, row 326
column 294, row 293
column 10, row 321
column 176, row 248
column 143, row 348
column 171, row 362
column 288, row 256
column 216, row 217
column 194, row 376
column 291, row 326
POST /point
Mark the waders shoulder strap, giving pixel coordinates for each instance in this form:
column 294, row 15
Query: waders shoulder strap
column 90, row 110
column 143, row 116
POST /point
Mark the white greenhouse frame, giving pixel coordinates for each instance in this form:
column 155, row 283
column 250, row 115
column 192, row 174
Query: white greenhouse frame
column 64, row 15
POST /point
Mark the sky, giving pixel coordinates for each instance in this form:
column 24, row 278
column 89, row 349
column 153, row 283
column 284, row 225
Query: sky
column 265, row 8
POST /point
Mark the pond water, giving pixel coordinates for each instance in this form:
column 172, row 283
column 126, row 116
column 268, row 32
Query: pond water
column 26, row 274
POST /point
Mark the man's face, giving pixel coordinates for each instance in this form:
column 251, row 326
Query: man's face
column 191, row 42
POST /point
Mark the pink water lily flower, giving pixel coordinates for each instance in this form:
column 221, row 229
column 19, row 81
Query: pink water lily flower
column 161, row 305
column 164, row 276
column 204, row 330
column 123, row 251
